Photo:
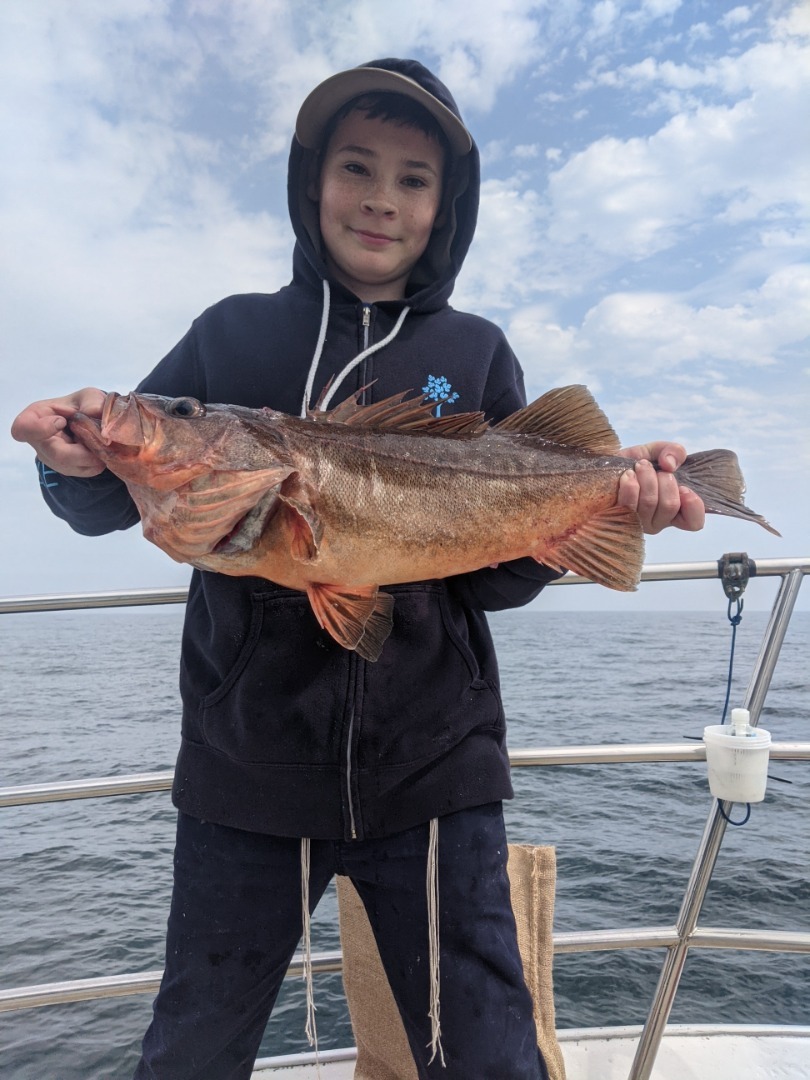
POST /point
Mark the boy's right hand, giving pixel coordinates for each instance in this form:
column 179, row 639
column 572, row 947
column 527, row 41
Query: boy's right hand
column 44, row 426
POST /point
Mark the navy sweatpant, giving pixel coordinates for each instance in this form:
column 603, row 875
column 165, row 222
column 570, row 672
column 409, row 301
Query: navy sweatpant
column 235, row 922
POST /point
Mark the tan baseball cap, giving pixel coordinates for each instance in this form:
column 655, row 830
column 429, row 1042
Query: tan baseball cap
column 333, row 93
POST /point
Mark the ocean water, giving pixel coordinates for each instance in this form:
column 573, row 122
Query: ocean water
column 85, row 885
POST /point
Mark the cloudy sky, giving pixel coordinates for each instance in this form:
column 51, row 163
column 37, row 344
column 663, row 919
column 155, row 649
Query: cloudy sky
column 643, row 228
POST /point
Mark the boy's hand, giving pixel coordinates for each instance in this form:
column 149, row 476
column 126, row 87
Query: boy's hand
column 44, row 425
column 656, row 496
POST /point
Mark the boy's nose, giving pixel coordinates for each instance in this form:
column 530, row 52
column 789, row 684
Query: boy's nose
column 379, row 201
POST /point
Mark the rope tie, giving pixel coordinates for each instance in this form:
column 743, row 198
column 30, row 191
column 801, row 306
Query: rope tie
column 311, row 1030
column 433, row 940
column 735, row 621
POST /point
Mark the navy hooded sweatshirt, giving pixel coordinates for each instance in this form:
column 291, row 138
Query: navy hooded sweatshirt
column 283, row 730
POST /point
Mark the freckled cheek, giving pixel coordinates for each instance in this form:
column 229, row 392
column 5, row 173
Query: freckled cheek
column 335, row 199
column 421, row 228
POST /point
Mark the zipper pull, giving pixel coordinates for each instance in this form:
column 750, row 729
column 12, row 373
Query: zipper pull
column 365, row 323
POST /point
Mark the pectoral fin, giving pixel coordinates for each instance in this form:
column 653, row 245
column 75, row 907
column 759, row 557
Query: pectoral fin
column 306, row 528
column 608, row 548
column 358, row 618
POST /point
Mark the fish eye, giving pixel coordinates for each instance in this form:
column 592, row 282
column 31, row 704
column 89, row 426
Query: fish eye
column 185, row 407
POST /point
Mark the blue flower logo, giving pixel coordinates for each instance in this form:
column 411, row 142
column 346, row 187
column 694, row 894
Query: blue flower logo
column 438, row 389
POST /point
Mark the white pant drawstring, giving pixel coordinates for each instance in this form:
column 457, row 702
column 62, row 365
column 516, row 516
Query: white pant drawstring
column 433, row 939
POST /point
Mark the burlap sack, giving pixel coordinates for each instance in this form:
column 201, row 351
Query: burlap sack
column 382, row 1047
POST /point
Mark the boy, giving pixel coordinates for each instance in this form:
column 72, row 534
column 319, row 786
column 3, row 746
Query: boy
column 296, row 754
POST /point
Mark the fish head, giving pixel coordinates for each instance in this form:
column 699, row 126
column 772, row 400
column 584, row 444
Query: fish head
column 205, row 478
column 165, row 442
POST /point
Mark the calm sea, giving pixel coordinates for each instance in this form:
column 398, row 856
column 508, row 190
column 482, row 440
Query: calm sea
column 85, row 885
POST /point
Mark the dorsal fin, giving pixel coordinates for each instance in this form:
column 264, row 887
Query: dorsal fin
column 567, row 415
column 396, row 413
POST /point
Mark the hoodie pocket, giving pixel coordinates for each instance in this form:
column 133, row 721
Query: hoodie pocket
column 426, row 691
column 283, row 697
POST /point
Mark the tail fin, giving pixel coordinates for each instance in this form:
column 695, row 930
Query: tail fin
column 715, row 476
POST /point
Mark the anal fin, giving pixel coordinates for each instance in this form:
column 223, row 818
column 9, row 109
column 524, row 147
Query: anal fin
column 608, row 548
column 357, row 617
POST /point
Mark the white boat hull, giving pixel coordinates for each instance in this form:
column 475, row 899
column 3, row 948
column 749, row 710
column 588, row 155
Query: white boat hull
column 687, row 1052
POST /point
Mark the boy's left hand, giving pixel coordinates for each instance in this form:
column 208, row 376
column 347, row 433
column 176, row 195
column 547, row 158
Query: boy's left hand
column 655, row 495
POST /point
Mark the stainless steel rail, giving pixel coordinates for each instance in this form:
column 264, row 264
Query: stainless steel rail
column 610, row 754
column 695, row 571
column 700, row 571
column 14, row 605
column 145, row 982
column 16, row 999
column 677, row 940
column 92, row 788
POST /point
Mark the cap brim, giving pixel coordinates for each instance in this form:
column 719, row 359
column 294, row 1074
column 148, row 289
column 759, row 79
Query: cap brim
column 333, row 93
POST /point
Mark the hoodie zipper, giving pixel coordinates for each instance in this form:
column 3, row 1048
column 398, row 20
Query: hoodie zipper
column 352, row 823
column 365, row 322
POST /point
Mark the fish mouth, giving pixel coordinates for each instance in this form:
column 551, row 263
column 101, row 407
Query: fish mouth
column 87, row 430
column 248, row 530
column 125, row 423
column 122, row 425
column 107, row 407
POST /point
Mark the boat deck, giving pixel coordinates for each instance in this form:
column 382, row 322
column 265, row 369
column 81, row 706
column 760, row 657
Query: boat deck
column 692, row 1052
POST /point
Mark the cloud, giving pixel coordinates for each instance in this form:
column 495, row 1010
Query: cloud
column 671, row 364
column 659, row 331
column 630, row 198
column 654, row 332
column 738, row 16
column 119, row 223
column 503, row 263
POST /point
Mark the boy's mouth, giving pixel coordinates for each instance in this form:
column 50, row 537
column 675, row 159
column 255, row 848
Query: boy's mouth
column 376, row 239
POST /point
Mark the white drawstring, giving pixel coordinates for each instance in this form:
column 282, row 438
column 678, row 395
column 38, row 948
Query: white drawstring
column 362, row 356
column 313, row 367
column 311, row 1030
column 433, row 940
column 432, row 881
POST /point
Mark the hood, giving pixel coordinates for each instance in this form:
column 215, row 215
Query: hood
column 433, row 278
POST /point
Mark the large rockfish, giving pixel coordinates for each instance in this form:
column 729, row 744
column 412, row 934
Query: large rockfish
column 342, row 502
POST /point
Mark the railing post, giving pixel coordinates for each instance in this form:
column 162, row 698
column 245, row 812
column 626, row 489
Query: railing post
column 706, row 857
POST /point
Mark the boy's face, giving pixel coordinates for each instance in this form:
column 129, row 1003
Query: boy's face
column 379, row 193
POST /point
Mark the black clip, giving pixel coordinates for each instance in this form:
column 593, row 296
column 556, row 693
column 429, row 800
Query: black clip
column 734, row 570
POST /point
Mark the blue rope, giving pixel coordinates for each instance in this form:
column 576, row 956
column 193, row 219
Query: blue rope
column 735, row 621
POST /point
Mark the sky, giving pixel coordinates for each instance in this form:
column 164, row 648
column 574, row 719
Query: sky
column 643, row 225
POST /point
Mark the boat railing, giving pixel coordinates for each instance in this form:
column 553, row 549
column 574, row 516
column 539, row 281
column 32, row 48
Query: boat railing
column 677, row 940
